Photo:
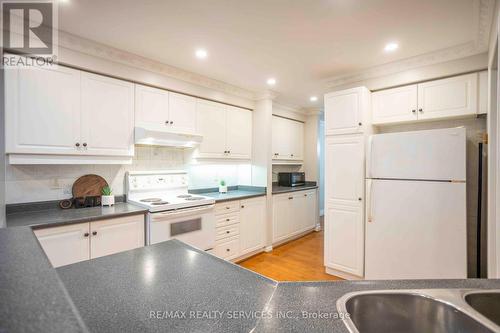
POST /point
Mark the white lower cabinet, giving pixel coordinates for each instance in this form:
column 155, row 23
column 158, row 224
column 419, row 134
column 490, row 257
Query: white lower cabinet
column 240, row 227
column 116, row 235
column 66, row 244
column 293, row 214
column 72, row 243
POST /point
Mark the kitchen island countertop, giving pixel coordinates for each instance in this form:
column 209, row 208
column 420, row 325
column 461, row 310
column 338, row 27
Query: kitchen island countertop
column 166, row 286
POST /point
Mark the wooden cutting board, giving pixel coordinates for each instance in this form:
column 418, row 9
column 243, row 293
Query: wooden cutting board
column 88, row 185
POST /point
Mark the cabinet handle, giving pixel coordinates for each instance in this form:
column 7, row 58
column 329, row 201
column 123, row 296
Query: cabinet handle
column 290, row 198
column 85, row 144
column 359, row 199
column 242, row 206
column 420, row 110
column 227, row 232
column 413, row 111
column 228, row 250
column 77, row 144
column 94, row 233
column 360, row 124
column 291, row 155
column 229, row 152
column 167, row 122
column 227, row 220
column 305, row 195
column 171, row 122
column 86, row 234
column 228, row 207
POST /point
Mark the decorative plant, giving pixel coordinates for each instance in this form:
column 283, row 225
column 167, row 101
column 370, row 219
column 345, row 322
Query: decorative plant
column 106, row 190
column 222, row 182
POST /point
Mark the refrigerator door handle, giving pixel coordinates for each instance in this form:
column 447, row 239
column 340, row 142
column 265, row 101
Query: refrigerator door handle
column 369, row 189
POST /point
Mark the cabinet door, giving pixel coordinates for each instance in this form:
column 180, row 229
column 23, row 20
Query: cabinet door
column 65, row 245
column 282, row 217
column 297, row 140
column 452, row 97
column 299, row 213
column 344, row 112
column 394, row 105
column 280, row 138
column 107, row 116
column 182, row 113
column 344, row 159
column 211, row 123
column 311, row 210
column 344, row 237
column 151, row 106
column 239, row 133
column 116, row 235
column 42, row 110
column 252, row 225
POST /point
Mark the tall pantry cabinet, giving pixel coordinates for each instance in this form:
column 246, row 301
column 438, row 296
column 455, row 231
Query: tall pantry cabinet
column 347, row 127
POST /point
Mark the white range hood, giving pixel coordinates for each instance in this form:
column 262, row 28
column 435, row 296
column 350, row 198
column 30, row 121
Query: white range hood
column 146, row 134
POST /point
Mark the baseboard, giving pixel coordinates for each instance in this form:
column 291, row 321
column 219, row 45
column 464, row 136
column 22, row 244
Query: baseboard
column 294, row 237
column 343, row 275
column 268, row 248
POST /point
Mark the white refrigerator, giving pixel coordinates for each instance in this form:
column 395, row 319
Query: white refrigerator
column 416, row 205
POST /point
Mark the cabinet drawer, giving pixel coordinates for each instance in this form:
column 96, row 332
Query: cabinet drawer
column 227, row 219
column 228, row 249
column 228, row 231
column 227, row 207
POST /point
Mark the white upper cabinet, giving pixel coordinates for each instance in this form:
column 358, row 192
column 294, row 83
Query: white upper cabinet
column 483, row 92
column 347, row 111
column 151, row 106
column 42, row 110
column 452, row 97
column 287, row 139
column 166, row 110
column 439, row 99
column 182, row 113
column 394, row 105
column 226, row 131
column 107, row 116
column 65, row 116
column 211, row 124
column 238, row 132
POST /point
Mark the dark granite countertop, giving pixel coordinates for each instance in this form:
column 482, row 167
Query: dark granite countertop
column 57, row 216
column 32, row 298
column 137, row 291
column 234, row 193
column 285, row 189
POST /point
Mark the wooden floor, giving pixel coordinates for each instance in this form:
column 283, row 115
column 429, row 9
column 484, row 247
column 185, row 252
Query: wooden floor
column 298, row 260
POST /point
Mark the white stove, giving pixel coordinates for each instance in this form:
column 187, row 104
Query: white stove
column 173, row 212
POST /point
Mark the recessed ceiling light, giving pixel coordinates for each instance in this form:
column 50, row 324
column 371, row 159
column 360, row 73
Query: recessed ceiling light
column 201, row 54
column 271, row 81
column 391, row 47
column 313, row 98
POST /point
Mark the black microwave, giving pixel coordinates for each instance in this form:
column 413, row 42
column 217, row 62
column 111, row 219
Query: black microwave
column 291, row 178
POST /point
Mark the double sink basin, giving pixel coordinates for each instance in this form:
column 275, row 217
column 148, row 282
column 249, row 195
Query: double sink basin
column 426, row 310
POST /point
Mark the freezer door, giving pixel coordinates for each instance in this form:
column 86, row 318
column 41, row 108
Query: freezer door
column 426, row 155
column 415, row 230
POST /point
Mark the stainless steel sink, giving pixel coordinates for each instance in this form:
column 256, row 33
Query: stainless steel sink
column 486, row 303
column 412, row 311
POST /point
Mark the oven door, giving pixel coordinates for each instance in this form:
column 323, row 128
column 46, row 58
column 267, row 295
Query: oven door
column 194, row 226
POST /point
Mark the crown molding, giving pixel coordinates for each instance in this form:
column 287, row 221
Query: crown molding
column 313, row 111
column 89, row 47
column 484, row 10
column 267, row 94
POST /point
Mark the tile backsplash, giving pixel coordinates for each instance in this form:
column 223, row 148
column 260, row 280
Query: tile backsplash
column 30, row 183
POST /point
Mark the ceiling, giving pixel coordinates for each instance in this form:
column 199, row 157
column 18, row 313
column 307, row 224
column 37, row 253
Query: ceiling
column 302, row 43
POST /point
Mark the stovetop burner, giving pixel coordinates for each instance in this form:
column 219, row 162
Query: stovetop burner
column 151, row 200
column 184, row 196
column 157, row 203
column 194, row 198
